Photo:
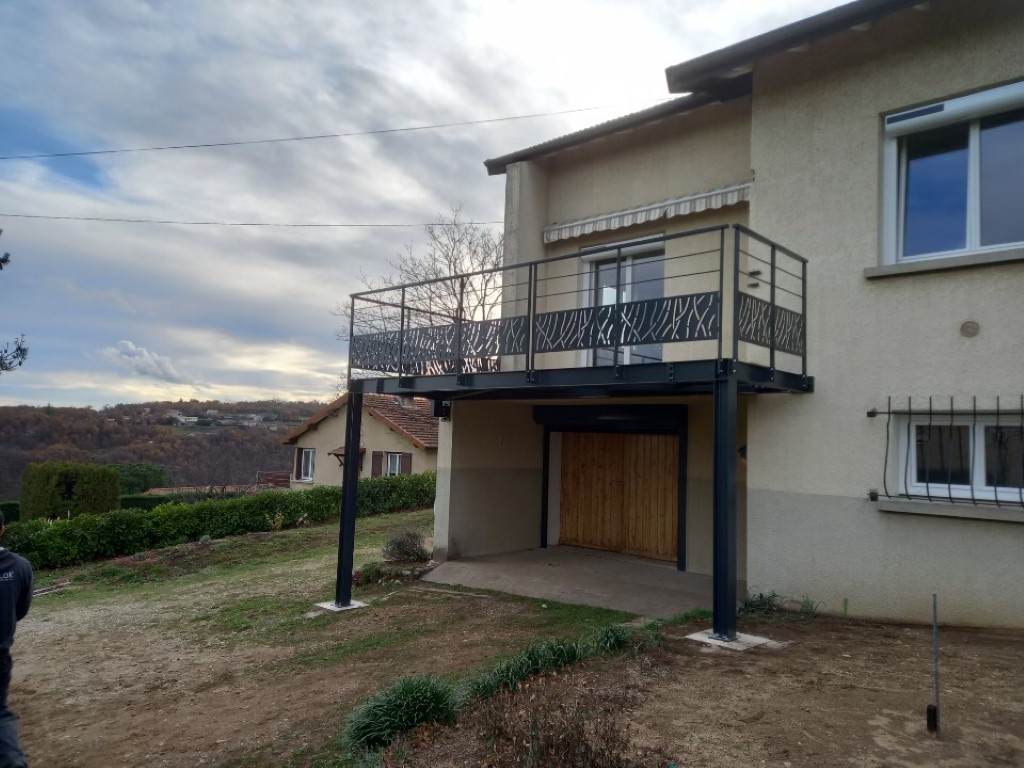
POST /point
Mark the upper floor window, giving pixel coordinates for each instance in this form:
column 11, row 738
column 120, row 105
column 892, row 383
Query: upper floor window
column 955, row 176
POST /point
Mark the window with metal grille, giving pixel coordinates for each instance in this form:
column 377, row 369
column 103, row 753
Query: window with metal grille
column 956, row 452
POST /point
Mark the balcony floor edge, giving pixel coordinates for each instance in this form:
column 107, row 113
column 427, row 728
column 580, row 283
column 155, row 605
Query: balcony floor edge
column 679, row 378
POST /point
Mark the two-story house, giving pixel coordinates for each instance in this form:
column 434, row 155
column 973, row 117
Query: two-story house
column 768, row 331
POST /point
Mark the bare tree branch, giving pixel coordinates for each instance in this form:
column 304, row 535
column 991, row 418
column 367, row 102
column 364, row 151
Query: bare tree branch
column 457, row 276
column 11, row 358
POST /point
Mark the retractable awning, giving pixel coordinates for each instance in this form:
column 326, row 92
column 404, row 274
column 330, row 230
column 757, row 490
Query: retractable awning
column 663, row 209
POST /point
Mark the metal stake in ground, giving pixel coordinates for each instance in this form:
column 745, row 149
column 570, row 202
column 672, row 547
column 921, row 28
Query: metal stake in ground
column 933, row 709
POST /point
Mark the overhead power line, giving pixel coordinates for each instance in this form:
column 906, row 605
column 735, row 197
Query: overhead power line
column 221, row 223
column 316, row 137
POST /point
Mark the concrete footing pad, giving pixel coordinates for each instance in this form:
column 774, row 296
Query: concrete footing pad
column 741, row 643
column 335, row 608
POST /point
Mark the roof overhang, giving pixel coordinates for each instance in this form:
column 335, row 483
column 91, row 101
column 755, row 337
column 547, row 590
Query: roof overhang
column 497, row 166
column 728, row 70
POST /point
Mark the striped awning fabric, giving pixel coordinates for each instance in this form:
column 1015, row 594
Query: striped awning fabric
column 664, row 209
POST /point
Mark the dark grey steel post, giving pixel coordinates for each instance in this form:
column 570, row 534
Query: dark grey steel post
column 771, row 318
column 736, row 296
column 721, row 289
column 349, row 494
column 935, row 655
column 531, row 314
column 401, row 335
column 617, row 317
column 803, row 314
column 458, row 327
column 724, row 535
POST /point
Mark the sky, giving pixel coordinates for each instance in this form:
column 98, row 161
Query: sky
column 121, row 312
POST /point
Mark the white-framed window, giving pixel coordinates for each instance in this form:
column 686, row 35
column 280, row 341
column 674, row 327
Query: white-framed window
column 965, row 458
column 954, row 176
column 304, row 466
column 638, row 275
column 393, row 465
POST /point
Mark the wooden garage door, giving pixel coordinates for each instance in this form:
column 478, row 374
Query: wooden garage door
column 620, row 493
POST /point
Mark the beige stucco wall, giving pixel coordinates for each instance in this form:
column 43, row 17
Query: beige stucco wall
column 375, row 436
column 816, row 151
column 491, row 501
column 697, row 152
column 489, row 480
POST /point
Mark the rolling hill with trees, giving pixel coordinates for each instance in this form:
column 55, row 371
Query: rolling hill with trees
column 198, row 443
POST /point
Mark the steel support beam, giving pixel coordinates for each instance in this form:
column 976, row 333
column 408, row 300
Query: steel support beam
column 349, row 494
column 726, row 404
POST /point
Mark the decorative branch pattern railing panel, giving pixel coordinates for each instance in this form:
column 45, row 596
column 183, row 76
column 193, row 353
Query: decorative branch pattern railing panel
column 676, row 318
column 755, row 319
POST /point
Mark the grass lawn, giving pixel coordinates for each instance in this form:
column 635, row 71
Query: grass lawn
column 214, row 654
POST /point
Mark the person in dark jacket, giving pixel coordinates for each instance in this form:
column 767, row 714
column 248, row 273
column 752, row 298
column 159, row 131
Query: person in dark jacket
column 15, row 599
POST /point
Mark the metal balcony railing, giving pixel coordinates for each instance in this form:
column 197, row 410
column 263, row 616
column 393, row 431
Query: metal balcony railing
column 710, row 293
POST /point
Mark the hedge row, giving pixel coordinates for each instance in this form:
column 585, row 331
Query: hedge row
column 88, row 537
column 68, row 488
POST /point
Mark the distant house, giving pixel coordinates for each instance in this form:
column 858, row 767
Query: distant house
column 400, row 438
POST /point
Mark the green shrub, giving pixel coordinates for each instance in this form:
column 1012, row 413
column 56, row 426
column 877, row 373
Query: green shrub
column 139, row 477
column 409, row 702
column 536, row 659
column 371, row 573
column 613, row 638
column 142, row 501
column 407, row 545
column 68, row 489
column 380, row 495
column 64, row 542
column 11, row 511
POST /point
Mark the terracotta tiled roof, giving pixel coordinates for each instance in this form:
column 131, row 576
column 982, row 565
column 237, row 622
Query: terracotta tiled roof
column 416, row 422
column 331, row 409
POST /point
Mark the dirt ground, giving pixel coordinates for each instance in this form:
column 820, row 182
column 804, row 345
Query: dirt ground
column 231, row 666
column 211, row 655
column 839, row 693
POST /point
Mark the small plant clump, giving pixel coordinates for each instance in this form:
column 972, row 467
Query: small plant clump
column 760, row 604
column 407, row 546
column 409, row 702
column 808, row 608
column 371, row 573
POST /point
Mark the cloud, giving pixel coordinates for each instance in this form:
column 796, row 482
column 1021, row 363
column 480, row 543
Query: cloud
column 114, row 74
column 144, row 363
column 110, row 297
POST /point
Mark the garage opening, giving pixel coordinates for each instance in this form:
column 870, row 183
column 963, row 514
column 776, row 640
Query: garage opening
column 620, row 493
column 621, row 478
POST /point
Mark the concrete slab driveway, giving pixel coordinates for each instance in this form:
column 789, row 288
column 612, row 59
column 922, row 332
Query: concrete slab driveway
column 588, row 577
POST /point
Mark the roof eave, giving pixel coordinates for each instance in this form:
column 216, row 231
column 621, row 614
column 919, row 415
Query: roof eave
column 498, row 165
column 707, row 73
